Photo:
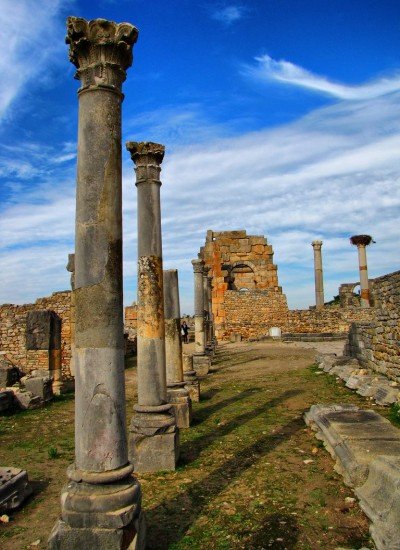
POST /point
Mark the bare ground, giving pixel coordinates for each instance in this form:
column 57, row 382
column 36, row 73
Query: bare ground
column 241, row 482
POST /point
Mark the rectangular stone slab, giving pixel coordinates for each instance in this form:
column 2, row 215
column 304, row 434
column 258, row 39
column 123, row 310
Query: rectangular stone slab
column 14, row 488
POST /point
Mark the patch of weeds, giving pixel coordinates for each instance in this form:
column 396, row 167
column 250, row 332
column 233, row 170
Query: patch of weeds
column 394, row 414
column 12, row 531
column 318, row 495
column 53, row 453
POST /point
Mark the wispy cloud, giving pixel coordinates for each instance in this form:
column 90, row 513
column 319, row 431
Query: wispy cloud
column 30, row 38
column 285, row 72
column 228, row 14
column 331, row 174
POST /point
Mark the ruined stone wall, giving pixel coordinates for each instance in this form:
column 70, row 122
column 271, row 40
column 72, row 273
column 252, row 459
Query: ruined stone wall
column 13, row 327
column 377, row 343
column 251, row 314
column 239, row 262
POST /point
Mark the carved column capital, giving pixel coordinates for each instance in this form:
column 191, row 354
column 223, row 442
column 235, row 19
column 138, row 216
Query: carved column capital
column 147, row 157
column 316, row 245
column 198, row 265
column 101, row 50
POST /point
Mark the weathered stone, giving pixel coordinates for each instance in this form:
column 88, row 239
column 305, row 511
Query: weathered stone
column 14, row 488
column 386, row 394
column 380, row 500
column 192, row 383
column 43, row 330
column 6, row 401
column 361, row 241
column 27, row 400
column 101, row 494
column 354, row 437
column 40, row 386
column 154, row 436
column 9, row 374
column 201, row 364
column 177, row 393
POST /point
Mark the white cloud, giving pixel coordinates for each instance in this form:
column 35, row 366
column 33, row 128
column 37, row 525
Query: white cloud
column 30, row 36
column 285, row 72
column 228, row 14
column 331, row 174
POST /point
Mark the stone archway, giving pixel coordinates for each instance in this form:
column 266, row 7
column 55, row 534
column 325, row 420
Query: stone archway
column 242, row 276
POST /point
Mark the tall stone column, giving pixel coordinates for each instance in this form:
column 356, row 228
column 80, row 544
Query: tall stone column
column 210, row 311
column 319, row 280
column 177, row 393
column 101, row 503
column 361, row 242
column 207, row 338
column 200, row 361
column 154, row 437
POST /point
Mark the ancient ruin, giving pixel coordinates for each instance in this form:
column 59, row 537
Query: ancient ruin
column 154, row 436
column 101, row 503
column 361, row 242
column 318, row 274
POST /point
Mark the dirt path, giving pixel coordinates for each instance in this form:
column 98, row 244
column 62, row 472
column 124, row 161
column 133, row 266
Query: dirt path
column 244, row 478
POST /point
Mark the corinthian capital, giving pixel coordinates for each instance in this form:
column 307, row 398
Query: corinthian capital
column 147, row 157
column 198, row 265
column 101, row 50
column 316, row 245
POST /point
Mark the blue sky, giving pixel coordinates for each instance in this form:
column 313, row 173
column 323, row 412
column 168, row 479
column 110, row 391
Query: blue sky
column 280, row 117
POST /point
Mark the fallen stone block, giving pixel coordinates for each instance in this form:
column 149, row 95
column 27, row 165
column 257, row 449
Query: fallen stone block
column 14, row 488
column 369, row 388
column 386, row 394
column 353, row 437
column 357, row 380
column 342, row 371
column 6, row 401
column 40, row 386
column 26, row 399
column 380, row 500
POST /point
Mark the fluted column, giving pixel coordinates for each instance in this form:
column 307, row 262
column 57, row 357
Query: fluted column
column 151, row 449
column 178, row 395
column 362, row 241
column 96, row 512
column 318, row 274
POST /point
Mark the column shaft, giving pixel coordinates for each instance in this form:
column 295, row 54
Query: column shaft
column 364, row 285
column 319, row 281
column 199, row 307
column 173, row 340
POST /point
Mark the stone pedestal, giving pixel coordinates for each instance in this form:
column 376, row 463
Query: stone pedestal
column 154, row 436
column 201, row 364
column 177, row 394
column 101, row 504
column 318, row 275
column 192, row 383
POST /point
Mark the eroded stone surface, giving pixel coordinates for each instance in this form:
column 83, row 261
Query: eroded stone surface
column 14, row 488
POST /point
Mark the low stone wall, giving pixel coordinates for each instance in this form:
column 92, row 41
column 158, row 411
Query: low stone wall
column 251, row 314
column 376, row 344
column 13, row 330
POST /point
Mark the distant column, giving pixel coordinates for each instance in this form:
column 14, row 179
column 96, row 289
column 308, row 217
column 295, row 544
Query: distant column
column 319, row 280
column 210, row 310
column 192, row 383
column 178, row 395
column 154, row 442
column 361, row 242
column 207, row 338
column 200, row 361
column 199, row 337
column 101, row 503
column 71, row 269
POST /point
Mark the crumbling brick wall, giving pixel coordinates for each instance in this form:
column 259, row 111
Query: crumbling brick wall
column 130, row 329
column 13, row 326
column 377, row 343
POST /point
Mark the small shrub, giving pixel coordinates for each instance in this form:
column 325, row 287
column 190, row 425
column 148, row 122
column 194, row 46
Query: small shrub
column 53, row 453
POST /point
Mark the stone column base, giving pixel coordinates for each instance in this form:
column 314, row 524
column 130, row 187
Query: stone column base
column 192, row 385
column 153, row 439
column 130, row 537
column 201, row 364
column 181, row 403
column 99, row 510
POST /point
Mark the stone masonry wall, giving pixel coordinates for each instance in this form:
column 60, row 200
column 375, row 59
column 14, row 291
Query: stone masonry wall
column 13, row 324
column 377, row 343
